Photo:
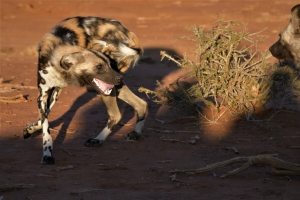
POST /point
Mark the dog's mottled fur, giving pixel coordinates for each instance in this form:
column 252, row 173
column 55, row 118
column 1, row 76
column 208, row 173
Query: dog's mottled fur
column 288, row 45
column 84, row 51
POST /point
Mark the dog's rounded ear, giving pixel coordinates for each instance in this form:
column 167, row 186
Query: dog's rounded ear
column 69, row 60
column 295, row 18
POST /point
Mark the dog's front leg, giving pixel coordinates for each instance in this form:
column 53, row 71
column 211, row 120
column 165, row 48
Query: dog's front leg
column 140, row 107
column 114, row 117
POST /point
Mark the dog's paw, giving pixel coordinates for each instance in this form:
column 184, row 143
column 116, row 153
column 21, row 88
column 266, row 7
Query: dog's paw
column 26, row 133
column 133, row 136
column 48, row 160
column 93, row 143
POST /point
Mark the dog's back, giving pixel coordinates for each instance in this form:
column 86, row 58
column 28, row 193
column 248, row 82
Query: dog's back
column 107, row 36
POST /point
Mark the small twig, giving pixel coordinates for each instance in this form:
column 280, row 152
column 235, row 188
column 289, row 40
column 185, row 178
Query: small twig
column 64, row 168
column 173, row 140
column 101, row 164
column 295, row 147
column 45, row 175
column 14, row 99
column 247, row 140
column 67, row 151
column 171, row 121
column 66, row 131
column 232, row 149
column 85, row 190
column 293, row 136
column 251, row 34
column 165, row 161
column 212, row 121
column 173, row 179
column 6, row 187
column 228, row 141
column 164, row 54
column 168, row 131
column 16, row 86
column 161, row 121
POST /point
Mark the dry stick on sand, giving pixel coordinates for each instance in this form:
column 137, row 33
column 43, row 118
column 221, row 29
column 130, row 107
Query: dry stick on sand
column 15, row 86
column 280, row 167
column 14, row 99
column 173, row 140
column 64, row 168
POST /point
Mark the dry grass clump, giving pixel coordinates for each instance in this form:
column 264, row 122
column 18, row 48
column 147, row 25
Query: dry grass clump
column 228, row 73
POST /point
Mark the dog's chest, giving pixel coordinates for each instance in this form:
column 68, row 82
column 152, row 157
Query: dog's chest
column 53, row 78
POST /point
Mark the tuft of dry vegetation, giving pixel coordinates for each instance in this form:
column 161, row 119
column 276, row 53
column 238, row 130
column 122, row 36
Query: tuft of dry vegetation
column 227, row 73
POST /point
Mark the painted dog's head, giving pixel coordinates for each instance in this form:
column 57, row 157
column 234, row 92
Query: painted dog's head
column 288, row 45
column 86, row 67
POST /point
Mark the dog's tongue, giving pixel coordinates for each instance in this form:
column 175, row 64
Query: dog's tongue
column 105, row 88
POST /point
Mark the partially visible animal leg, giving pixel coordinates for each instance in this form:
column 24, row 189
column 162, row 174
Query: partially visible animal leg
column 140, row 107
column 35, row 126
column 114, row 117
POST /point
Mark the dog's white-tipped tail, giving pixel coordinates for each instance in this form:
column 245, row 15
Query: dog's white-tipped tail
column 126, row 52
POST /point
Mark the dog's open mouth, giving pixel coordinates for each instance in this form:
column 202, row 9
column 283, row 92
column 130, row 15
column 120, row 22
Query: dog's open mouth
column 104, row 88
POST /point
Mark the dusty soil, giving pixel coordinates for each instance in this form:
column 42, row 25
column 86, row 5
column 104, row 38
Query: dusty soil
column 137, row 170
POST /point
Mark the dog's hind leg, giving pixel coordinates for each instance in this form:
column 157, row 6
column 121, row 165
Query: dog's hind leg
column 140, row 107
column 46, row 100
column 32, row 127
column 114, row 117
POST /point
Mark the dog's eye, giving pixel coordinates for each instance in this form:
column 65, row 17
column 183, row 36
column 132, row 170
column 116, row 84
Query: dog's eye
column 99, row 66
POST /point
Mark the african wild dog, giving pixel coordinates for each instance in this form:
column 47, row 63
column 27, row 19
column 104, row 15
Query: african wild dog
column 99, row 37
column 288, row 45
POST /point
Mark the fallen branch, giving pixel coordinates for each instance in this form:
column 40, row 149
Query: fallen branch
column 6, row 187
column 279, row 165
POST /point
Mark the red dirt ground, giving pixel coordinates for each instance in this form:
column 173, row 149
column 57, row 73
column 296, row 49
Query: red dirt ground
column 137, row 170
